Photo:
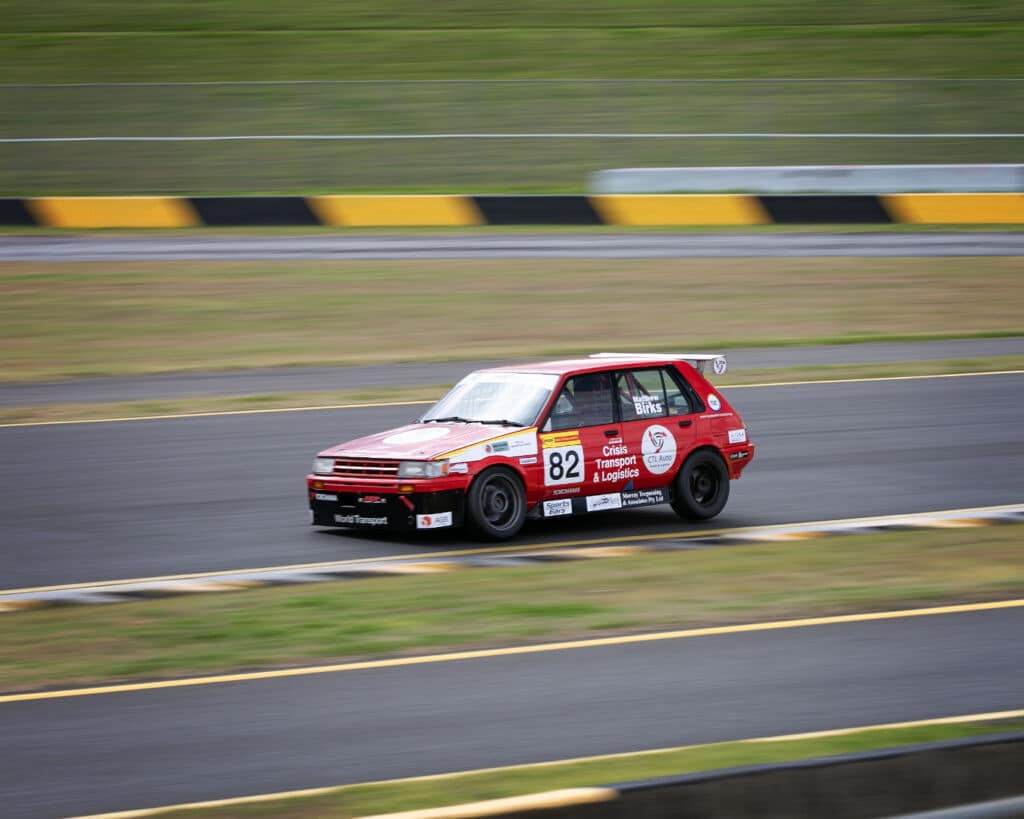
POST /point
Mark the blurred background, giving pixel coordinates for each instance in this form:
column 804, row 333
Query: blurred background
column 215, row 96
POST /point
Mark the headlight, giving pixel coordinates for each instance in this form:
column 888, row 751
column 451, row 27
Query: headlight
column 422, row 469
column 323, row 466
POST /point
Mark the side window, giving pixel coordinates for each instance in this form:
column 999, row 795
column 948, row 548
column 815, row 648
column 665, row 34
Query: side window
column 680, row 398
column 584, row 401
column 641, row 395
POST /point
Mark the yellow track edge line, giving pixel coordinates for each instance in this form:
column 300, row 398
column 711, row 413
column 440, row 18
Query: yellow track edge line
column 324, row 407
column 112, row 586
column 542, row 648
column 991, row 716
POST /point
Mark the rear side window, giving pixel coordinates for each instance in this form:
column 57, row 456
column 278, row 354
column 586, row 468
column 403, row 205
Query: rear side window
column 655, row 393
column 641, row 395
column 681, row 398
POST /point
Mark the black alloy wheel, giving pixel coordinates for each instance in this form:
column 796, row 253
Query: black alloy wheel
column 496, row 505
column 701, row 486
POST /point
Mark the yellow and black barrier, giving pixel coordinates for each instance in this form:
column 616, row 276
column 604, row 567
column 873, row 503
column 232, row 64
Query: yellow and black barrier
column 653, row 210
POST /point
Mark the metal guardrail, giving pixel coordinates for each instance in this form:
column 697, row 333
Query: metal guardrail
column 475, row 135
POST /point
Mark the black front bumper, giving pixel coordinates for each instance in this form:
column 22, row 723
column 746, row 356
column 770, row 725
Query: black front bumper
column 374, row 510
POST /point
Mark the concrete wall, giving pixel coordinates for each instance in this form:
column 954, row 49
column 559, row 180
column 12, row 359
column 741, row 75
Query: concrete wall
column 856, row 786
column 877, row 784
column 870, row 179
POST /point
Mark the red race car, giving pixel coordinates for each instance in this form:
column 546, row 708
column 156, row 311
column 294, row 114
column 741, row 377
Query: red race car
column 612, row 431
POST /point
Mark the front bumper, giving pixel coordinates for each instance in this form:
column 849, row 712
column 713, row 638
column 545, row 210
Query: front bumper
column 382, row 509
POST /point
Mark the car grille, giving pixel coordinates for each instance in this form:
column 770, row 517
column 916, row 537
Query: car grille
column 365, row 468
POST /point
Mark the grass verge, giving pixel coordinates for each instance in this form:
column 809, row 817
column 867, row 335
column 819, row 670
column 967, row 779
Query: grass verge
column 471, row 786
column 497, row 607
column 459, row 44
column 782, row 48
column 329, row 399
column 121, row 318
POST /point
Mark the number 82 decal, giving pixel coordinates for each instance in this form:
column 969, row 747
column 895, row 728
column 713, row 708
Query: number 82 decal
column 563, row 465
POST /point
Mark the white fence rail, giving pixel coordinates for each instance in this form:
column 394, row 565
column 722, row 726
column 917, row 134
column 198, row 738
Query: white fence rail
column 479, row 135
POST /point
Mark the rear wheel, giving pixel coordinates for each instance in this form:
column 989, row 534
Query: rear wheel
column 701, row 486
column 496, row 504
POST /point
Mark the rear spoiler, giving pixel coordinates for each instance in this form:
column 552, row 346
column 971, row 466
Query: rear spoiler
column 697, row 360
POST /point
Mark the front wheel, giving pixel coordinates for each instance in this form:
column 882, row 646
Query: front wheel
column 701, row 486
column 496, row 504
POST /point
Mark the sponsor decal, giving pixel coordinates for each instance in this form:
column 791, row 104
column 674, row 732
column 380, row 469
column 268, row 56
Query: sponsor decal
column 324, row 496
column 554, row 508
column 372, row 499
column 615, row 463
column 415, row 436
column 360, row 520
column 550, row 440
column 719, row 366
column 518, row 443
column 738, row 456
column 458, row 469
column 434, row 521
column 714, row 403
column 527, row 461
column 644, row 497
column 647, row 405
column 659, row 449
column 564, row 463
column 572, row 490
column 612, row 500
column 737, row 436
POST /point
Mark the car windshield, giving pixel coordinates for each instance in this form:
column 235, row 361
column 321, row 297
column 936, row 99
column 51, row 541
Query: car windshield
column 511, row 398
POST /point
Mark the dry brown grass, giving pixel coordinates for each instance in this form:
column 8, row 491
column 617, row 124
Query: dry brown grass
column 65, row 319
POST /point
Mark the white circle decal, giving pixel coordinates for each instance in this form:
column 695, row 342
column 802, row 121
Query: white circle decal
column 416, row 436
column 719, row 365
column 714, row 403
column 659, row 449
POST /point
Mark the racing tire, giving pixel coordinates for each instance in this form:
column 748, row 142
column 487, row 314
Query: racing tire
column 701, row 487
column 496, row 504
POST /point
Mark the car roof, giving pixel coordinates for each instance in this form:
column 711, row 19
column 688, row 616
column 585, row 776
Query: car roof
column 589, row 364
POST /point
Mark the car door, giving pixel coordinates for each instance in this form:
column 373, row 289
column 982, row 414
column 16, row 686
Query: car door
column 572, row 441
column 658, row 428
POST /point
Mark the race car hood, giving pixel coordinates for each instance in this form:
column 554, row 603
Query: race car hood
column 423, row 441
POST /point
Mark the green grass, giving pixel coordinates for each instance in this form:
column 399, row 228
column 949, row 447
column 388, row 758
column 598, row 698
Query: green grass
column 481, row 607
column 226, row 39
column 477, row 165
column 453, row 789
column 407, row 43
column 970, row 50
column 120, row 318
column 324, row 15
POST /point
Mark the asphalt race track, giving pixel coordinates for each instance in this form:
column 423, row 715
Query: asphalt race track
column 105, row 501
column 95, row 502
column 183, row 385
column 147, row 748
